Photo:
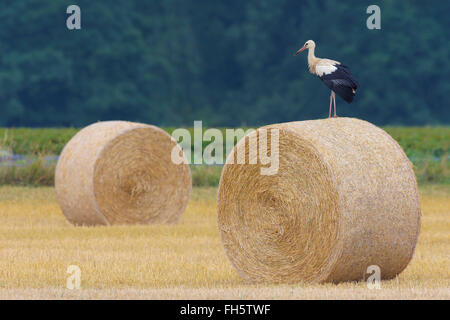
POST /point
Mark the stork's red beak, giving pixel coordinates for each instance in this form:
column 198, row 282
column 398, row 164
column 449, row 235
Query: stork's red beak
column 302, row 49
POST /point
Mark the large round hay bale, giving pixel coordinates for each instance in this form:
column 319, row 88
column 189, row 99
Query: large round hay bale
column 344, row 198
column 119, row 172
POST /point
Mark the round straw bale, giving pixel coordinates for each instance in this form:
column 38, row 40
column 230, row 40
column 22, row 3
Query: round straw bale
column 344, row 198
column 119, row 172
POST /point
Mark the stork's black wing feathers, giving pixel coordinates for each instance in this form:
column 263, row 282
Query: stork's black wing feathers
column 342, row 82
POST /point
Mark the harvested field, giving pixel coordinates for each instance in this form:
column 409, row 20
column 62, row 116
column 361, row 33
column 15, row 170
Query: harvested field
column 185, row 261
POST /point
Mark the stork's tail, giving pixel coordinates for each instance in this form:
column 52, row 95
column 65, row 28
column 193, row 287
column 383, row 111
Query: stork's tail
column 346, row 93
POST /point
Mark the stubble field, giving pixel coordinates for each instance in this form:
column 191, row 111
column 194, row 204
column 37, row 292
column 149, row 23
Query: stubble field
column 185, row 261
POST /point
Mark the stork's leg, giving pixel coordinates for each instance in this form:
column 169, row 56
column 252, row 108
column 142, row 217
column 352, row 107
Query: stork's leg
column 331, row 101
column 334, row 99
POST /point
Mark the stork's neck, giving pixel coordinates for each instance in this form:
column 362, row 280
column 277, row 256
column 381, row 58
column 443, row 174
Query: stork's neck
column 311, row 56
column 312, row 60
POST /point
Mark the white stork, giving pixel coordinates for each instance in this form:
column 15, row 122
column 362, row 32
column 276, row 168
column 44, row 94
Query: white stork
column 333, row 74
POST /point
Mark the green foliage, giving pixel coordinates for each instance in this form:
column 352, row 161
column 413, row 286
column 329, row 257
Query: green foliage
column 35, row 174
column 206, row 175
column 27, row 141
column 430, row 170
column 417, row 142
column 426, row 147
column 420, row 142
column 228, row 63
column 40, row 174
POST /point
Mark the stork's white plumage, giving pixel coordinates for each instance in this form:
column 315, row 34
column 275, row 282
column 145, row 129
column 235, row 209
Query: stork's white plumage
column 325, row 66
column 333, row 74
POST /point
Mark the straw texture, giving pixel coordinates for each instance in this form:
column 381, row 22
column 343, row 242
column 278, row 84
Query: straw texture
column 344, row 198
column 119, row 172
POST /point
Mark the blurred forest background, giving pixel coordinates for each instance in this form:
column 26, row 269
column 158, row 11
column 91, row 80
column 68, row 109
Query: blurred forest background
column 228, row 63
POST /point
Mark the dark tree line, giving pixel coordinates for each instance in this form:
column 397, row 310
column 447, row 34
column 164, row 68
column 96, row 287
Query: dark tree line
column 228, row 63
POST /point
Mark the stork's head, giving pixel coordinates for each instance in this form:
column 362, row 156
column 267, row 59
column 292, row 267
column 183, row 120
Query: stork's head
column 308, row 45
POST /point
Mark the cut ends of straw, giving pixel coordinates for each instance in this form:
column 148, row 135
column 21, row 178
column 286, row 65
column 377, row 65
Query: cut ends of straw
column 344, row 198
column 118, row 172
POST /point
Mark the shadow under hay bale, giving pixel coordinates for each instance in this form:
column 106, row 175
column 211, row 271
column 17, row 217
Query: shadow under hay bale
column 118, row 172
column 344, row 198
